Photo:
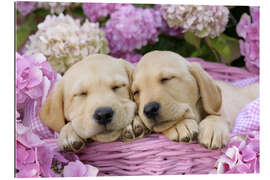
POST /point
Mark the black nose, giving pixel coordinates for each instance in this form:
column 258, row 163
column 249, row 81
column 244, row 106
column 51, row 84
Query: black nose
column 151, row 110
column 103, row 115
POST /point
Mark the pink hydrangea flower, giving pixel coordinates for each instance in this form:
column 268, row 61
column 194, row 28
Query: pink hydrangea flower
column 35, row 158
column 94, row 11
column 132, row 57
column 34, row 79
column 242, row 155
column 131, row 28
column 25, row 7
column 166, row 29
column 78, row 169
column 250, row 46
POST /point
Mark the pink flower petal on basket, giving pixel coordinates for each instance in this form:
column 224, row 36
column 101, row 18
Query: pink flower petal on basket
column 25, row 136
column 44, row 158
column 29, row 170
column 78, row 169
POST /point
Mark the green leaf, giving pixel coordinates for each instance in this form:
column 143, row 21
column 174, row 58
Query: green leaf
column 25, row 30
column 192, row 39
column 169, row 43
column 144, row 6
column 221, row 45
column 226, row 46
column 204, row 52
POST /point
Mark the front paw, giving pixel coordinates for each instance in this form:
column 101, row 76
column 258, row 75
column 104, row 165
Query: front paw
column 68, row 139
column 214, row 132
column 184, row 131
column 134, row 130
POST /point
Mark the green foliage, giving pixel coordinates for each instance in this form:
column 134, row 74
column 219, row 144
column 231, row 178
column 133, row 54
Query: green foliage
column 77, row 12
column 192, row 39
column 226, row 47
column 144, row 5
column 25, row 30
column 169, row 43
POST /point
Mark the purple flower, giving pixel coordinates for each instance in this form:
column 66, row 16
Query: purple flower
column 242, row 155
column 166, row 29
column 34, row 79
column 25, row 7
column 131, row 28
column 250, row 46
column 132, row 57
column 78, row 169
column 94, row 11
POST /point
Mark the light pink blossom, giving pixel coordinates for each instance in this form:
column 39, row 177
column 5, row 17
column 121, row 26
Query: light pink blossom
column 78, row 169
column 242, row 155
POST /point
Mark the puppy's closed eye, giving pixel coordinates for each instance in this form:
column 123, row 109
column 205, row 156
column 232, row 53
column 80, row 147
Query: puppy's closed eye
column 116, row 87
column 81, row 94
column 165, row 79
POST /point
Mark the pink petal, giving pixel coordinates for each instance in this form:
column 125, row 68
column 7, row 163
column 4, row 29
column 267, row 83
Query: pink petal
column 91, row 171
column 243, row 25
column 75, row 169
column 35, row 77
column 29, row 170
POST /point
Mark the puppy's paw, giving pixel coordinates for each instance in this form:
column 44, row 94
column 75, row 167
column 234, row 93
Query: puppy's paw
column 184, row 131
column 68, row 139
column 127, row 134
column 213, row 132
column 139, row 129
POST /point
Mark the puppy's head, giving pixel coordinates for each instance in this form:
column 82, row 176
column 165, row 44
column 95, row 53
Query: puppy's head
column 166, row 88
column 94, row 95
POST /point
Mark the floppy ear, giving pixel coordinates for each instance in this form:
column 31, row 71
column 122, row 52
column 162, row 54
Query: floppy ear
column 52, row 114
column 209, row 90
column 129, row 69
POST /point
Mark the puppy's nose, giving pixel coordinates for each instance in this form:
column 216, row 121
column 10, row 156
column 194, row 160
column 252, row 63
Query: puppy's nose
column 103, row 115
column 151, row 110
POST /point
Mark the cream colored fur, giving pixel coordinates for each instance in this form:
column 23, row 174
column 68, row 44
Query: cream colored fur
column 193, row 105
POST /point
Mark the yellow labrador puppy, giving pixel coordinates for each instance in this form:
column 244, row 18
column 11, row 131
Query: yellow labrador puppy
column 181, row 100
column 92, row 100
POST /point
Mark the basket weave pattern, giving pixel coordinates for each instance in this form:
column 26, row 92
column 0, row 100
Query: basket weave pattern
column 155, row 154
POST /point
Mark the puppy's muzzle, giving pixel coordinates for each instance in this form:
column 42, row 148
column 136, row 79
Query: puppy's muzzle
column 103, row 115
column 151, row 110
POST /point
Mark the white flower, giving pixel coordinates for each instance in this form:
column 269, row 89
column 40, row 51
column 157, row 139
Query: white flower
column 54, row 7
column 64, row 41
column 203, row 21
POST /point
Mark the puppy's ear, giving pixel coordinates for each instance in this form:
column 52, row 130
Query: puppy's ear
column 51, row 113
column 129, row 69
column 209, row 90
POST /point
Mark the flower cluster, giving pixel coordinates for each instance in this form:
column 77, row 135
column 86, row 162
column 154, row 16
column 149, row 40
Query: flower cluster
column 34, row 79
column 54, row 7
column 94, row 11
column 25, row 7
column 36, row 158
column 242, row 155
column 250, row 47
column 64, row 41
column 165, row 28
column 203, row 21
column 131, row 28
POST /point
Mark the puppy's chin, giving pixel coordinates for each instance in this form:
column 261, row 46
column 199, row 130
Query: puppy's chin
column 107, row 136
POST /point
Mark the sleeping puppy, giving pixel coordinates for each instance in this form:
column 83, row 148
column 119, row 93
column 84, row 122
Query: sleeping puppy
column 92, row 100
column 179, row 99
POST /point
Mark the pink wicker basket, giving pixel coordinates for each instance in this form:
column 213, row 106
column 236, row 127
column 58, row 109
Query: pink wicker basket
column 155, row 154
